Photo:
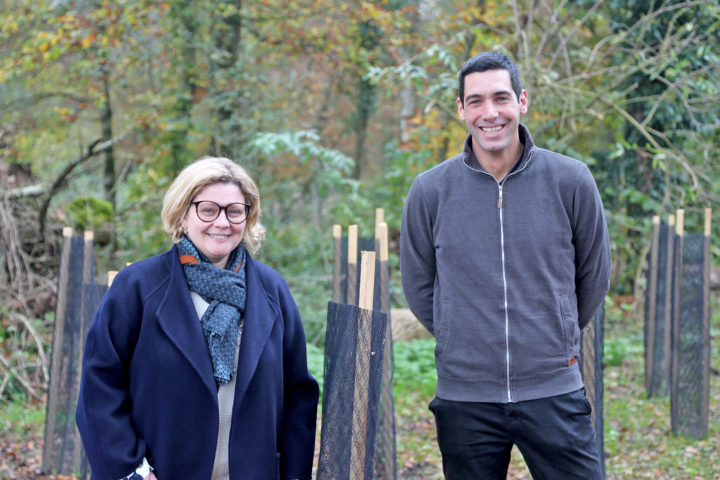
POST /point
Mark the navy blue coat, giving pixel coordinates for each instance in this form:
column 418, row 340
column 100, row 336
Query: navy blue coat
column 148, row 390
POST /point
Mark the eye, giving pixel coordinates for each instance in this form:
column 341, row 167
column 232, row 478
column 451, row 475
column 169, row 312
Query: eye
column 236, row 210
column 207, row 209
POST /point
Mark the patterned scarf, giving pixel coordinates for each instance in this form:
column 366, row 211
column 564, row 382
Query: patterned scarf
column 225, row 290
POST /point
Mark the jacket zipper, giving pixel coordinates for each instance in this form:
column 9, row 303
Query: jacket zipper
column 502, row 260
column 504, row 277
column 505, row 293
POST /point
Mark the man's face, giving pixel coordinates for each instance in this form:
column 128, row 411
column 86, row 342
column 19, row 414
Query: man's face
column 492, row 112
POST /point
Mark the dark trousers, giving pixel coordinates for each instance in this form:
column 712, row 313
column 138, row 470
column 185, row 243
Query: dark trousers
column 555, row 436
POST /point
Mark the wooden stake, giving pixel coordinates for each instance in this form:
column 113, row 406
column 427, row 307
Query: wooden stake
column 52, row 456
column 381, row 246
column 88, row 260
column 337, row 263
column 386, row 463
column 352, row 265
column 680, row 222
column 367, row 280
column 651, row 307
column 363, row 356
column 708, row 221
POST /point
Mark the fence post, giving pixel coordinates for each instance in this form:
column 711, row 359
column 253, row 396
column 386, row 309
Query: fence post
column 690, row 364
column 651, row 305
column 62, row 449
column 352, row 265
column 386, row 462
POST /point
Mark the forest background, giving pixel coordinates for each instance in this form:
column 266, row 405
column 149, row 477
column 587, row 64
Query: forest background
column 333, row 107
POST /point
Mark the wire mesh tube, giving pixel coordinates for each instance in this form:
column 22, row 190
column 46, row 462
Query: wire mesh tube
column 353, row 372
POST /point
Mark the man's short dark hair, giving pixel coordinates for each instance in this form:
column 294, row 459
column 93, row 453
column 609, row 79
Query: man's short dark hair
column 482, row 62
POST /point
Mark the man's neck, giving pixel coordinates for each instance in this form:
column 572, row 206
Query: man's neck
column 498, row 164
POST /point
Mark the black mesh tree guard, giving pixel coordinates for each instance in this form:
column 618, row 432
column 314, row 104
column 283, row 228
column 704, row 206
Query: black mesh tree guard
column 591, row 366
column 386, row 450
column 690, row 366
column 658, row 311
column 353, row 372
column 62, row 449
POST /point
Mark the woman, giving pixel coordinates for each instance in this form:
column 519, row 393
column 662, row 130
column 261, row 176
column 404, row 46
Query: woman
column 195, row 364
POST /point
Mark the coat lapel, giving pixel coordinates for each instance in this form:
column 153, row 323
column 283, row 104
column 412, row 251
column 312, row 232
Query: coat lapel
column 176, row 316
column 260, row 317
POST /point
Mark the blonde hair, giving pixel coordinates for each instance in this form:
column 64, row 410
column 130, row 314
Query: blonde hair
column 203, row 173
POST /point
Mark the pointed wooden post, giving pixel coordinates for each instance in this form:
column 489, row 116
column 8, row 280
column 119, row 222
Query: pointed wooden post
column 337, row 264
column 651, row 306
column 352, row 265
column 362, row 363
column 62, row 449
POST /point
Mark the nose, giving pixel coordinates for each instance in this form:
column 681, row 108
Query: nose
column 222, row 219
column 488, row 110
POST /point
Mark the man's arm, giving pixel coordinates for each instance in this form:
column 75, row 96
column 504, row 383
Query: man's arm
column 592, row 249
column 417, row 256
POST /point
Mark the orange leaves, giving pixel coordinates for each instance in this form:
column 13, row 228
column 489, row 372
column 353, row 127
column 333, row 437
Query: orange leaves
column 87, row 41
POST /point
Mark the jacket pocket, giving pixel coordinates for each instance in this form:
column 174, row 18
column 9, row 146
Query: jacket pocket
column 468, row 349
column 539, row 345
column 571, row 330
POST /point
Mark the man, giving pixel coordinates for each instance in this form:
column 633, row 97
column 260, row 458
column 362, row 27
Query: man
column 505, row 257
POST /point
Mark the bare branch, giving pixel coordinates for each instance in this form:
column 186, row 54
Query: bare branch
column 95, row 148
column 38, row 342
column 37, row 98
column 20, row 378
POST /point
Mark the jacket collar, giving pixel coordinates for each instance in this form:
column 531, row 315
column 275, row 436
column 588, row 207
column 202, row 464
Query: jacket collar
column 176, row 316
column 261, row 315
column 529, row 147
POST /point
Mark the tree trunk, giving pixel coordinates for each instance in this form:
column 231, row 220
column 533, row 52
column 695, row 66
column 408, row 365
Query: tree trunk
column 107, row 134
column 187, row 26
column 109, row 170
column 227, row 36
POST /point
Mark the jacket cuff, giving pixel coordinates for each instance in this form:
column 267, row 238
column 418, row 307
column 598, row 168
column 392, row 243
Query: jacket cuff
column 141, row 472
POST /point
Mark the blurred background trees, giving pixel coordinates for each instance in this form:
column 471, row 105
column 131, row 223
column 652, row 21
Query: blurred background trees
column 333, row 107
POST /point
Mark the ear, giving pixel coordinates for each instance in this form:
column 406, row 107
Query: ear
column 460, row 109
column 523, row 100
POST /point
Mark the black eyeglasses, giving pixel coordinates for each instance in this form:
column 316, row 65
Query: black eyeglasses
column 209, row 211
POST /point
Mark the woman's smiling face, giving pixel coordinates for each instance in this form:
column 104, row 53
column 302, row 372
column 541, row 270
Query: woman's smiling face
column 216, row 239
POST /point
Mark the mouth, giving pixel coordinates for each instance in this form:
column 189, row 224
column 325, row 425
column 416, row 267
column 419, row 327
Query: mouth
column 218, row 237
column 491, row 129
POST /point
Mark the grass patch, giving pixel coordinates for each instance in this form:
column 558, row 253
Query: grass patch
column 20, row 418
column 639, row 442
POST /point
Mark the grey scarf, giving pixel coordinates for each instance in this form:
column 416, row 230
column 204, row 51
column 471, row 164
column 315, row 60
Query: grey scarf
column 226, row 291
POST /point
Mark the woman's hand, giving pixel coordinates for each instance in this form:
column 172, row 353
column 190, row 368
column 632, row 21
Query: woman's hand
column 151, row 476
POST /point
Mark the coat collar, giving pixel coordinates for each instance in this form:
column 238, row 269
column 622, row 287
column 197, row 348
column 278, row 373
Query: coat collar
column 176, row 316
column 261, row 314
column 472, row 162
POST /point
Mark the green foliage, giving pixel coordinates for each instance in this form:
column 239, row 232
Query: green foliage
column 19, row 418
column 616, row 350
column 89, row 213
column 415, row 372
column 329, row 167
column 308, row 189
column 316, row 365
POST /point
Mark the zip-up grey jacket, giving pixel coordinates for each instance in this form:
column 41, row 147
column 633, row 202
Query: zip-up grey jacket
column 505, row 275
